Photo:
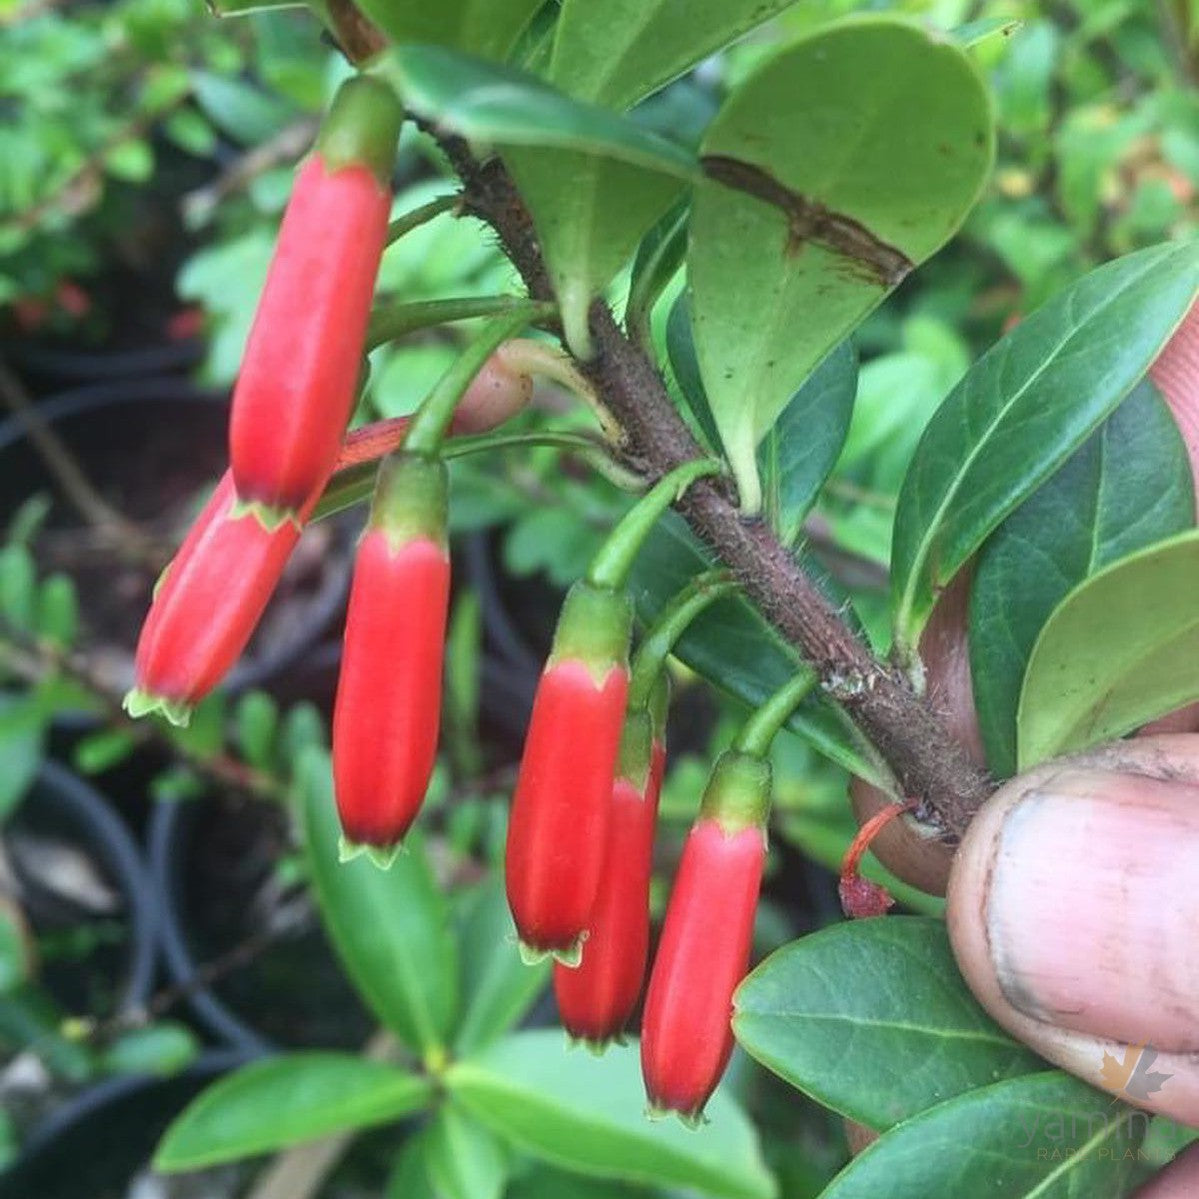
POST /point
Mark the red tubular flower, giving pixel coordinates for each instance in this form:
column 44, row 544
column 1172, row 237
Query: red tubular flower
column 686, row 1031
column 596, row 998
column 206, row 605
column 295, row 393
column 388, row 707
column 558, row 833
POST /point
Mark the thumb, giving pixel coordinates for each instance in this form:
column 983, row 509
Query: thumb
column 1072, row 913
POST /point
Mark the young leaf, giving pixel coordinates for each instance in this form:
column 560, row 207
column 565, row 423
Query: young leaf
column 594, row 181
column 684, row 365
column 659, row 257
column 22, row 747
column 1118, row 651
column 498, row 987
column 872, row 1019
column 802, row 447
column 489, row 28
column 285, row 1100
column 821, row 194
column 733, row 647
column 587, row 1114
column 390, row 927
column 257, row 718
column 1043, row 1136
column 618, row 52
column 1127, row 487
column 1022, row 411
column 463, row 1159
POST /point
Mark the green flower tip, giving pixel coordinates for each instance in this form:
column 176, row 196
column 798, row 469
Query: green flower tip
column 139, row 703
column 570, row 957
column 270, row 518
column 595, row 1047
column 362, row 127
column 693, row 1120
column 382, row 856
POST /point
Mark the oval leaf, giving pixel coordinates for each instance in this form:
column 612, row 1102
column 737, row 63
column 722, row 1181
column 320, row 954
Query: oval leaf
column 1126, row 488
column 617, row 52
column 872, row 1019
column 735, row 649
column 1044, row 1136
column 1119, row 651
column 821, row 195
column 497, row 987
column 1022, row 410
column 391, row 927
column 586, row 1113
column 284, row 1101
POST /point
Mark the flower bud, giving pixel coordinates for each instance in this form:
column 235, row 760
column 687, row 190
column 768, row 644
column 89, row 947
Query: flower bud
column 295, row 392
column 207, row 605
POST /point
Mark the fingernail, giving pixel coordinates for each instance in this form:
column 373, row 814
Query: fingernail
column 1091, row 907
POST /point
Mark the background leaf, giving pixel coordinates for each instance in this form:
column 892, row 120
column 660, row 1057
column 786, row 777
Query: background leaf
column 1119, row 651
column 586, row 1113
column 497, row 987
column 872, row 1019
column 618, row 52
column 1128, row 486
column 734, row 648
column 284, row 1101
column 390, row 927
column 1043, row 1136
column 1023, row 409
column 463, row 1158
column 848, row 194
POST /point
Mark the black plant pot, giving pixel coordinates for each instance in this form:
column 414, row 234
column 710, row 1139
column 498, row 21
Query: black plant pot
column 209, row 862
column 62, row 809
column 93, row 1144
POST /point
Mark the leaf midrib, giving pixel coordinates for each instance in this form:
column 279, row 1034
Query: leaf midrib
column 859, row 1022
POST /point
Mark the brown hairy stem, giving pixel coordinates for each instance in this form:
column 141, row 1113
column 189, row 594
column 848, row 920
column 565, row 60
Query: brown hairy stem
column 930, row 766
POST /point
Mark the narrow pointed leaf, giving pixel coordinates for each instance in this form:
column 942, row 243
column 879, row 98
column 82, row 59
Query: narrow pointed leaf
column 617, row 52
column 872, row 1019
column 463, row 1158
column 1128, row 486
column 821, row 194
column 284, row 1101
column 586, row 1113
column 1043, row 1136
column 1023, row 409
column 1119, row 651
column 390, row 927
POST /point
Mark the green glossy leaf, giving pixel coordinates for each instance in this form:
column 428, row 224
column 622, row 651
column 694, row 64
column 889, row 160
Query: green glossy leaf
column 1117, row 652
column 489, row 28
column 163, row 1048
column 872, row 1019
column 822, row 193
column 617, row 52
column 1128, row 486
column 602, row 185
column 1043, row 1136
column 22, row 747
column 285, row 1101
column 684, row 365
column 733, row 647
column 659, row 257
column 802, row 447
column 586, row 1113
column 1022, row 411
column 410, row 1174
column 463, row 1158
column 390, row 927
column 497, row 987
